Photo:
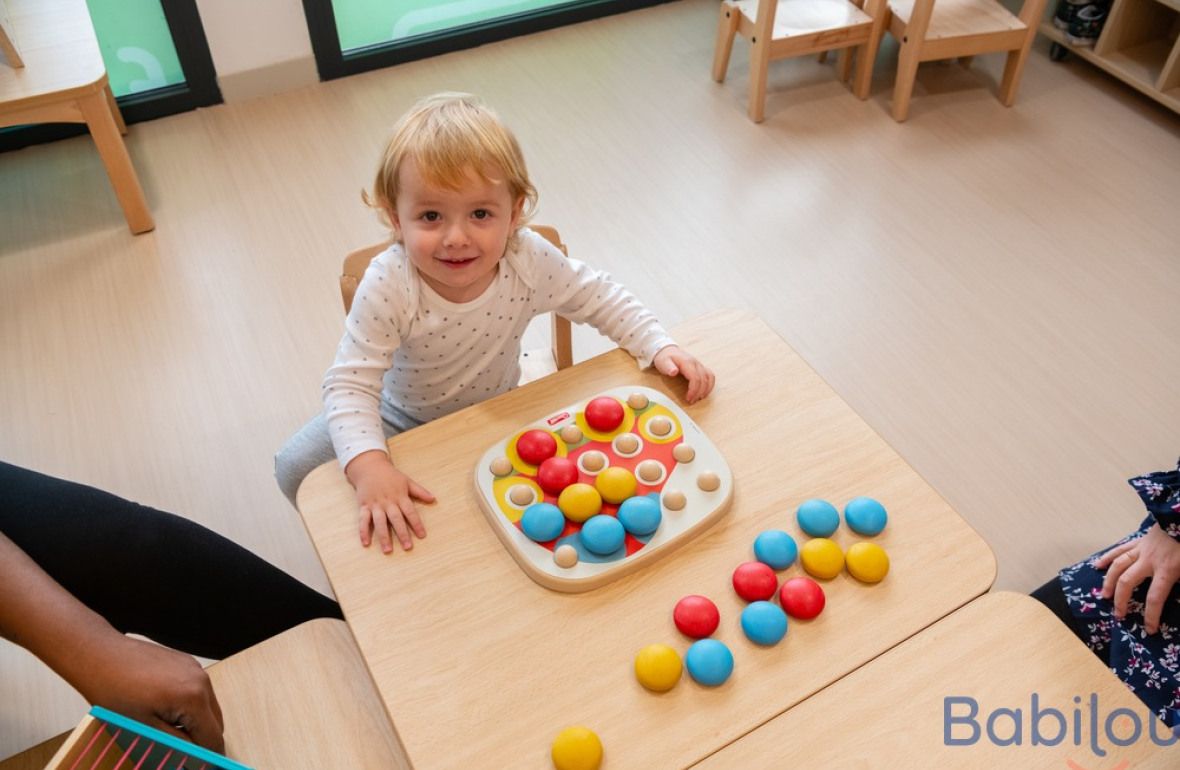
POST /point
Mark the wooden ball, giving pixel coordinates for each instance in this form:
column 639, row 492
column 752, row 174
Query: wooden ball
column 709, row 481
column 521, row 495
column 660, row 426
column 565, row 556
column 675, row 500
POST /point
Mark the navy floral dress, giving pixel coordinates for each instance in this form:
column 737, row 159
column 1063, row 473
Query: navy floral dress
column 1149, row 664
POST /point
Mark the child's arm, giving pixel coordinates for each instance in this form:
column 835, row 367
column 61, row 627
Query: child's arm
column 674, row 361
column 386, row 498
column 585, row 295
column 352, row 395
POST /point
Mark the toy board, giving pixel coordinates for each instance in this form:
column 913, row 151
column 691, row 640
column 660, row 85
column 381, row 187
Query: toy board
column 629, row 453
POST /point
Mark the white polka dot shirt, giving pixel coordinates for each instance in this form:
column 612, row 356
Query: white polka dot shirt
column 407, row 349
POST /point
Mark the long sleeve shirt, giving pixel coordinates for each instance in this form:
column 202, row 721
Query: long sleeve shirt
column 407, row 351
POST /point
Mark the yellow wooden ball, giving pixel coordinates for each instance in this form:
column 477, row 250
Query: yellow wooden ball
column 616, row 484
column 658, row 667
column 822, row 558
column 579, row 501
column 868, row 562
column 577, row 748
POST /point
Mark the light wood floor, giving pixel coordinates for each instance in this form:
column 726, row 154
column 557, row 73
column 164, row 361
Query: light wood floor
column 994, row 290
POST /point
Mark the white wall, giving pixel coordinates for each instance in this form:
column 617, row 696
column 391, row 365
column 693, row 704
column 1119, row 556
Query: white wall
column 258, row 46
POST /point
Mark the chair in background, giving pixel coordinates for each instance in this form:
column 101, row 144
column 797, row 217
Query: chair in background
column 562, row 342
column 8, row 49
column 778, row 29
column 929, row 30
column 63, row 80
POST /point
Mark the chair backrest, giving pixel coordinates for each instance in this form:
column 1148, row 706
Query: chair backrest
column 358, row 261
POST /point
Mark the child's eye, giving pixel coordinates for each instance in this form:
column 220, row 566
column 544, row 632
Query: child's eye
column 481, row 213
column 430, row 216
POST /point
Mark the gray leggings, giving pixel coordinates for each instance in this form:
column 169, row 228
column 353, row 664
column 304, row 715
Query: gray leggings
column 311, row 447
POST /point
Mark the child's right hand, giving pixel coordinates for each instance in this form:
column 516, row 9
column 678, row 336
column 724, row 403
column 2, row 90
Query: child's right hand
column 386, row 498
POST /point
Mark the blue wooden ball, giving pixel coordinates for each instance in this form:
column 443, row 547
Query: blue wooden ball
column 640, row 515
column 775, row 548
column 709, row 662
column 818, row 518
column 542, row 522
column 764, row 623
column 865, row 516
column 602, row 534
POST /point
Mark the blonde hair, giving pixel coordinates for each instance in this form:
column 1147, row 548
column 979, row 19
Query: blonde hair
column 448, row 135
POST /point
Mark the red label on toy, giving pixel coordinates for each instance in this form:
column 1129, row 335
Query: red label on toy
column 558, row 418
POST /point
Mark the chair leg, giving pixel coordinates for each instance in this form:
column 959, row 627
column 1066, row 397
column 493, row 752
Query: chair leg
column 866, row 56
column 844, row 64
column 822, row 58
column 759, row 62
column 118, row 116
column 97, row 112
column 907, row 72
column 727, row 27
column 1013, row 68
column 965, row 61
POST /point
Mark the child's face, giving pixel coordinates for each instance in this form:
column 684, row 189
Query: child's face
column 454, row 237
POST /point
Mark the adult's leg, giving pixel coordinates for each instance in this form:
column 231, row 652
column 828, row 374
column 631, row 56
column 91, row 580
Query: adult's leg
column 150, row 572
column 1052, row 596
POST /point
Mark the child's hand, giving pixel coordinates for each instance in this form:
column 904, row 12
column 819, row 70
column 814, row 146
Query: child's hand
column 674, row 360
column 386, row 498
column 1155, row 556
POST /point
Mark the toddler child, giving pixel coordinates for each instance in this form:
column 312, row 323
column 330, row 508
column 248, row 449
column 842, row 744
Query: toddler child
column 436, row 322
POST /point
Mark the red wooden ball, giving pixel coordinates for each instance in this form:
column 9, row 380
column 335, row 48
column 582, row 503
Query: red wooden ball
column 604, row 414
column 802, row 598
column 754, row 581
column 557, row 473
column 536, row 446
column 696, row 616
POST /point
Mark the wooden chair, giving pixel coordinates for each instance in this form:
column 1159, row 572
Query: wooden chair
column 562, row 343
column 929, row 30
column 8, row 49
column 63, row 80
column 778, row 29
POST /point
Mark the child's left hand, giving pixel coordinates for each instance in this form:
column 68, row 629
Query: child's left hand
column 675, row 361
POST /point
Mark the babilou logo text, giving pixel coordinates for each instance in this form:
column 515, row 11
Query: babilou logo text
column 1084, row 723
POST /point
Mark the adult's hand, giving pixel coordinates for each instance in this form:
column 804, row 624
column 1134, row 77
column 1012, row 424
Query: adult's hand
column 155, row 685
column 1155, row 555
column 152, row 684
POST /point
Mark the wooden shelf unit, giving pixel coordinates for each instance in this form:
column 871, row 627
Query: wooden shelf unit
column 1138, row 45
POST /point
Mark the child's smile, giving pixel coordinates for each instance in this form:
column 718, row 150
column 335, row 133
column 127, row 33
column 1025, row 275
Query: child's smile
column 455, row 237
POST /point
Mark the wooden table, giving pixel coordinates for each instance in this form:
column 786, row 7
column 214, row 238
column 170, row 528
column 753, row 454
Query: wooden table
column 480, row 667
column 302, row 699
column 64, row 80
column 998, row 650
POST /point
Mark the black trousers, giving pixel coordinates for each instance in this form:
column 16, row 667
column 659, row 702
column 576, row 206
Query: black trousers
column 149, row 572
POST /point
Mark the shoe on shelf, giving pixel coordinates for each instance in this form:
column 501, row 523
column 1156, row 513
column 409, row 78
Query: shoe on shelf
column 1086, row 26
column 1067, row 11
